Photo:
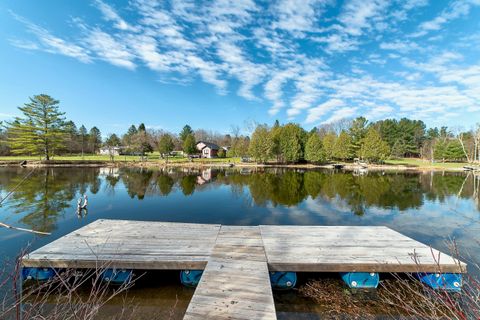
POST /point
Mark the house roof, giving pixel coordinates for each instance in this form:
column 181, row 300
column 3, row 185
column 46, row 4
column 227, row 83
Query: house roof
column 211, row 145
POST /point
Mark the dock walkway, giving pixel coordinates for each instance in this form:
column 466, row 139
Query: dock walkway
column 236, row 283
column 236, row 260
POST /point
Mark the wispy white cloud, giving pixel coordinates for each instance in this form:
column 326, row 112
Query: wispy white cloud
column 110, row 14
column 210, row 72
column 338, row 42
column 109, row 49
column 24, row 44
column 247, row 72
column 356, row 18
column 359, row 15
column 379, row 112
column 273, row 88
column 50, row 43
column 298, row 16
column 455, row 10
column 316, row 113
column 294, row 56
column 342, row 113
column 308, row 86
column 400, row 46
column 402, row 13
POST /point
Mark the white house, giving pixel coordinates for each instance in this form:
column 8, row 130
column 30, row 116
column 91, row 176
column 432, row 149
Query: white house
column 207, row 149
column 110, row 151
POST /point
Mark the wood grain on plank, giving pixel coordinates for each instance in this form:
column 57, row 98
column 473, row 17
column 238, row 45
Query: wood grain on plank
column 129, row 244
column 235, row 283
column 350, row 249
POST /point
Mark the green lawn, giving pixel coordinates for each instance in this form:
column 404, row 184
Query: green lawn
column 153, row 157
column 74, row 158
column 413, row 162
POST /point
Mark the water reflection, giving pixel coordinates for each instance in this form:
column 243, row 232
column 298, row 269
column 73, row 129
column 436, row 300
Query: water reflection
column 428, row 207
column 42, row 198
column 289, row 188
column 45, row 196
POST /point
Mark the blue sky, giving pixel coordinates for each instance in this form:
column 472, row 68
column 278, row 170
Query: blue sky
column 216, row 63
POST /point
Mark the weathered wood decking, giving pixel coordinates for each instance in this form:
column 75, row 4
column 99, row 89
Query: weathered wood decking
column 349, row 249
column 235, row 284
column 236, row 260
column 130, row 245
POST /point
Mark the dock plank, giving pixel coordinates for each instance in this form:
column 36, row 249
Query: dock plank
column 350, row 249
column 129, row 244
column 235, row 283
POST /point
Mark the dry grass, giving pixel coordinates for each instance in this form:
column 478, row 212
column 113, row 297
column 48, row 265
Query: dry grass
column 61, row 298
column 336, row 301
column 400, row 296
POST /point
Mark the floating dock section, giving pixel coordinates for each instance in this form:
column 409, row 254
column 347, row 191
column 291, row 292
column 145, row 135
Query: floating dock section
column 237, row 260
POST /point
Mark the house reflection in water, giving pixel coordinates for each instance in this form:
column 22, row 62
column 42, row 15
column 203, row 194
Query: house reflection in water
column 205, row 176
column 109, row 172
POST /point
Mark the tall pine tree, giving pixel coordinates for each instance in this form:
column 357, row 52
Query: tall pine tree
column 342, row 147
column 95, row 139
column 314, row 151
column 373, row 148
column 357, row 132
column 186, row 131
column 292, row 142
column 261, row 144
column 189, row 145
column 41, row 129
column 83, row 135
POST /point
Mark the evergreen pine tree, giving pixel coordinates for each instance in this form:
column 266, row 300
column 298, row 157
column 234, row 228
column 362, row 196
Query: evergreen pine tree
column 41, row 130
column 329, row 145
column 292, row 142
column 82, row 132
column 314, row 151
column 165, row 145
column 95, row 139
column 187, row 130
column 454, row 151
column 373, row 148
column 71, row 136
column 439, row 150
column 132, row 130
column 189, row 145
column 261, row 144
column 342, row 147
column 357, row 132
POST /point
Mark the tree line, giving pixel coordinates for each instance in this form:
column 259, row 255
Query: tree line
column 43, row 130
column 375, row 142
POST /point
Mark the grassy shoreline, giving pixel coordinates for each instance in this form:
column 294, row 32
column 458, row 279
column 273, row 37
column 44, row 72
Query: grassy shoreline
column 411, row 164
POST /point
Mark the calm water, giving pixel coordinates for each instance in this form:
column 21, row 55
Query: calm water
column 429, row 207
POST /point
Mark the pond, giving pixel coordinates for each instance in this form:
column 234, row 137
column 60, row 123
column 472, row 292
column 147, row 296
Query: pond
column 430, row 207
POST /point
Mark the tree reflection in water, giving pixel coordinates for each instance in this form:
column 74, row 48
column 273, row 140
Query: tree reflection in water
column 45, row 196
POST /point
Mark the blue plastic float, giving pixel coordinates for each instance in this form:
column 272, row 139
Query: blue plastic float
column 283, row 280
column 446, row 281
column 190, row 278
column 38, row 274
column 117, row 277
column 361, row 279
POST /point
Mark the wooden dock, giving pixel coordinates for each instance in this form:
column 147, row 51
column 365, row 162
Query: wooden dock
column 237, row 260
column 236, row 283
